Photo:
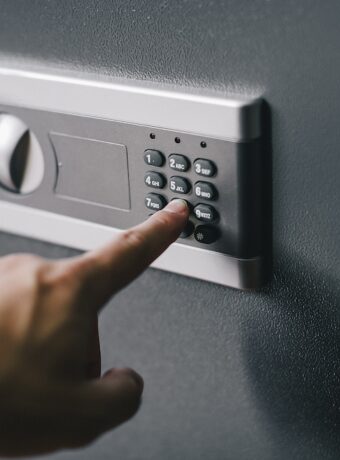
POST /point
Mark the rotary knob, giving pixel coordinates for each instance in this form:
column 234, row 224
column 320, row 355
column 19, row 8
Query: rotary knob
column 21, row 157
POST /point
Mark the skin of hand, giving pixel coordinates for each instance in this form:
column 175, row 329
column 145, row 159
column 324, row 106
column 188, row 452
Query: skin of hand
column 51, row 394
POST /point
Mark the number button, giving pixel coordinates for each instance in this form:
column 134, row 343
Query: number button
column 189, row 228
column 154, row 158
column 179, row 185
column 204, row 167
column 205, row 213
column 155, row 202
column 206, row 234
column 179, row 162
column 154, row 180
column 205, row 190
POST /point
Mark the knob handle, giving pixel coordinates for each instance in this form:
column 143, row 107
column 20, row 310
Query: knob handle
column 21, row 158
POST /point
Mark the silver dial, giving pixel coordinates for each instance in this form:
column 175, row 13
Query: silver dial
column 21, row 157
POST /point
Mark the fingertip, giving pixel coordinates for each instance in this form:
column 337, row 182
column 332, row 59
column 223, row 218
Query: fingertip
column 126, row 372
column 178, row 206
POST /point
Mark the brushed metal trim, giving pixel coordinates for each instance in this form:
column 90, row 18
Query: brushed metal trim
column 185, row 260
column 198, row 112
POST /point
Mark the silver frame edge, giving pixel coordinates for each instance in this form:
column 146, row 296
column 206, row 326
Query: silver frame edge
column 204, row 113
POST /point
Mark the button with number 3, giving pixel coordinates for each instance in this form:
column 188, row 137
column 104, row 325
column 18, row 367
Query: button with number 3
column 204, row 167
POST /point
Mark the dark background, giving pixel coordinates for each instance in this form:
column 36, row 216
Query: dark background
column 229, row 375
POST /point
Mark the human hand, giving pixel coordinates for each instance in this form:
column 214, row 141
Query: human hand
column 51, row 393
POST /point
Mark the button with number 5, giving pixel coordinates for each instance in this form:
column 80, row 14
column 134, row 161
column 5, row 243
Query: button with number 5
column 179, row 185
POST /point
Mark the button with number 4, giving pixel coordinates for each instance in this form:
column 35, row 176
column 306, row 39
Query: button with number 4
column 154, row 180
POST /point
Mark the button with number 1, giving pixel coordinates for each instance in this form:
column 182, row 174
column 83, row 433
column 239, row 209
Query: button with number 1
column 154, row 157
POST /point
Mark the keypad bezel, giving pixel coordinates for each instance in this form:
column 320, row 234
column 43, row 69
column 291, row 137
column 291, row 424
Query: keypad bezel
column 236, row 221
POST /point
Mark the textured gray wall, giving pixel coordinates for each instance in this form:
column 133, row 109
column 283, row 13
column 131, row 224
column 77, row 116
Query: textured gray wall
column 229, row 375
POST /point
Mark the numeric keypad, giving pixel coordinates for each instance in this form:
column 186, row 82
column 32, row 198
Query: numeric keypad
column 205, row 217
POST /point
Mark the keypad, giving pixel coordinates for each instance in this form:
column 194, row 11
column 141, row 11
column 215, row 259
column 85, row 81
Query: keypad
column 205, row 190
column 203, row 226
column 179, row 185
column 179, row 162
column 154, row 180
column 204, row 167
column 154, row 158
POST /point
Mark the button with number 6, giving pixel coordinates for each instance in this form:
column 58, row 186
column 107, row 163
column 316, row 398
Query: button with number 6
column 205, row 190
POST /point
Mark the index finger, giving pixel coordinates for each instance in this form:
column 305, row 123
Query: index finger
column 110, row 268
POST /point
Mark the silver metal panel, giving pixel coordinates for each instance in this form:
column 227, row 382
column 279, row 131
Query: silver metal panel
column 80, row 162
column 235, row 120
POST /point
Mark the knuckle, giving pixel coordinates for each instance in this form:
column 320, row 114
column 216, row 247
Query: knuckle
column 19, row 260
column 133, row 238
column 164, row 219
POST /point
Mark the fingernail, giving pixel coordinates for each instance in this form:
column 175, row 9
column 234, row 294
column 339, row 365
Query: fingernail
column 138, row 379
column 134, row 375
column 177, row 206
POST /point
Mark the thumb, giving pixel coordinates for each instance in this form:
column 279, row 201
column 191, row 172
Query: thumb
column 105, row 403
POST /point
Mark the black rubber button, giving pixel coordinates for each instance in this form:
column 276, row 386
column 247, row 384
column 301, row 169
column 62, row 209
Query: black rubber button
column 154, row 158
column 204, row 167
column 155, row 202
column 154, row 180
column 205, row 213
column 205, row 190
column 188, row 230
column 179, row 162
column 179, row 185
column 206, row 234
